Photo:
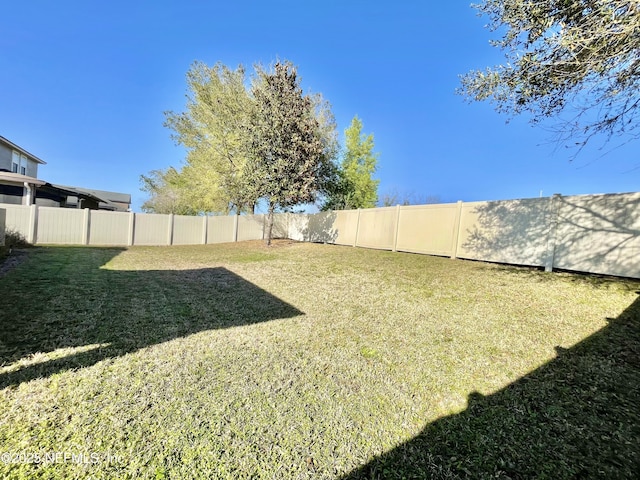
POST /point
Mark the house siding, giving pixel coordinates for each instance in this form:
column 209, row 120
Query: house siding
column 5, row 158
column 32, row 169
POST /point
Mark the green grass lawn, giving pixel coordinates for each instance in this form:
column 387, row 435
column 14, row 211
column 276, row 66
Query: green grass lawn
column 312, row 361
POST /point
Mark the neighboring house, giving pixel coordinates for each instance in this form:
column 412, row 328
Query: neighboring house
column 115, row 201
column 18, row 174
column 19, row 185
column 15, row 159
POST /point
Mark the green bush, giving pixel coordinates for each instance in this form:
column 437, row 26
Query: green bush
column 14, row 239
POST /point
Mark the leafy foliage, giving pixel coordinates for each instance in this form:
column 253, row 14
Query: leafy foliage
column 394, row 197
column 167, row 193
column 14, row 239
column 293, row 141
column 268, row 141
column 580, row 57
column 214, row 131
column 354, row 186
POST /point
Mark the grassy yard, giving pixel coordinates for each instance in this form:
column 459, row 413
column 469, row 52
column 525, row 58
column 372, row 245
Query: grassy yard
column 312, row 361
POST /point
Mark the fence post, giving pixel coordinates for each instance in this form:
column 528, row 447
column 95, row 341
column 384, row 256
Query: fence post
column 33, row 224
column 170, row 230
column 205, row 225
column 554, row 206
column 235, row 227
column 355, row 238
column 85, row 227
column 395, row 237
column 132, row 217
column 289, row 215
column 456, row 230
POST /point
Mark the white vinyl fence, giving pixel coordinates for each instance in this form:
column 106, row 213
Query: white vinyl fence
column 587, row 233
column 68, row 226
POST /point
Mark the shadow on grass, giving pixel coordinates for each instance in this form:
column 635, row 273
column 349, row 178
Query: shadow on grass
column 577, row 416
column 61, row 298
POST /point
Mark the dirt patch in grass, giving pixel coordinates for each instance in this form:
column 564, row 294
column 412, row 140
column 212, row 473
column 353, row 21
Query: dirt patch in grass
column 12, row 260
column 279, row 243
column 313, row 361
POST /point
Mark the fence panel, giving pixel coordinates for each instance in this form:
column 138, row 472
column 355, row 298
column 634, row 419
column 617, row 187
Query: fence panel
column 509, row 231
column 187, row 230
column 250, row 227
column 60, row 226
column 599, row 234
column 151, row 229
column 320, row 227
column 377, row 227
column 299, row 226
column 427, row 229
column 280, row 225
column 345, row 227
column 337, row 227
column 109, row 228
column 220, row 229
column 17, row 218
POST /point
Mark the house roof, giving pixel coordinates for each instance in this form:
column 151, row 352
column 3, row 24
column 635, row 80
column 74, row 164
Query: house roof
column 106, row 200
column 105, row 195
column 22, row 150
column 73, row 192
column 19, row 179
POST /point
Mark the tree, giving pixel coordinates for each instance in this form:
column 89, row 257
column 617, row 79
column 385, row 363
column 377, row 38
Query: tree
column 580, row 57
column 214, row 131
column 166, row 193
column 354, row 186
column 293, row 141
column 395, row 197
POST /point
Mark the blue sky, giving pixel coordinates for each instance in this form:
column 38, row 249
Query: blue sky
column 85, row 85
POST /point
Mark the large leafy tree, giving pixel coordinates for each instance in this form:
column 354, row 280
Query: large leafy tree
column 354, row 185
column 293, row 137
column 214, row 131
column 580, row 58
column 167, row 192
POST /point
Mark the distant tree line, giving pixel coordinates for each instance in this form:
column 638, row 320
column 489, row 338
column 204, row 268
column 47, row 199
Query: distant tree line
column 394, row 197
column 262, row 140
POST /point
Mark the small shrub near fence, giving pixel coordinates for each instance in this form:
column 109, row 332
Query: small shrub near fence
column 12, row 239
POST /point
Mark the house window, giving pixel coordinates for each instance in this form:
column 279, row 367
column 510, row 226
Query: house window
column 15, row 162
column 18, row 163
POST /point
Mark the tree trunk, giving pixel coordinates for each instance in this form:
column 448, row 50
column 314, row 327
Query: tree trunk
column 267, row 239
